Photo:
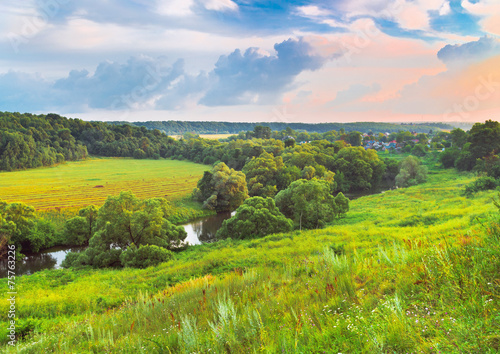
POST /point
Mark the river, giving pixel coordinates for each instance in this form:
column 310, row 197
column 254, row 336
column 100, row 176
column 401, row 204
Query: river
column 198, row 232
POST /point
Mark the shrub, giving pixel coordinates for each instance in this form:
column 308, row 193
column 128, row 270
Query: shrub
column 483, row 183
column 411, row 172
column 145, row 256
column 257, row 217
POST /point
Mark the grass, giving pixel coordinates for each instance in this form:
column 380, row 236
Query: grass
column 76, row 184
column 409, row 270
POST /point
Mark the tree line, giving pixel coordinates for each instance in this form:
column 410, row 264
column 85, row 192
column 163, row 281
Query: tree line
column 181, row 127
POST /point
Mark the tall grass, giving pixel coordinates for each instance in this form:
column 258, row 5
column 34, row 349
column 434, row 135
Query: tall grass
column 364, row 285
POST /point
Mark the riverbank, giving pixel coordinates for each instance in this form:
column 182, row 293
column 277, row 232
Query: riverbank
column 283, row 277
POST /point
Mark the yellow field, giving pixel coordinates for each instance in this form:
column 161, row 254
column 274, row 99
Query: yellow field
column 76, row 184
column 207, row 136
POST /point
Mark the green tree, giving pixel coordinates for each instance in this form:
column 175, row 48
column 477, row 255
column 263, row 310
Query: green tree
column 308, row 203
column 227, row 189
column 465, row 160
column 484, row 139
column 418, row 150
column 354, row 138
column 448, row 157
column 262, row 174
column 411, row 172
column 458, row 138
column 125, row 220
column 256, row 217
column 79, row 230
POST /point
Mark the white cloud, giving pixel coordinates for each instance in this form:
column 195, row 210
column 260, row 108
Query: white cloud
column 220, row 5
column 312, row 11
column 179, row 8
column 489, row 10
column 445, row 9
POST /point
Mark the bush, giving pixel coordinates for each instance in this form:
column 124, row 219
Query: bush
column 483, row 183
column 257, row 217
column 145, row 256
column 448, row 157
column 411, row 172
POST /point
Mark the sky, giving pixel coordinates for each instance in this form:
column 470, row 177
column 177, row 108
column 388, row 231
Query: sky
column 252, row 60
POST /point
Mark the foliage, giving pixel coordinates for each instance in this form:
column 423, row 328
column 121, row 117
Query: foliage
column 411, row 172
column 256, row 217
column 465, row 160
column 226, row 188
column 483, row 183
column 448, row 157
column 484, row 139
column 419, row 150
column 145, row 256
column 262, row 174
column 79, row 230
column 310, row 204
column 125, row 220
column 21, row 227
column 361, row 168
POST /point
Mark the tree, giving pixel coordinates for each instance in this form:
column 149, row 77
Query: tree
column 262, row 173
column 124, row 221
column 465, row 160
column 289, row 143
column 448, row 157
column 418, row 150
column 484, row 139
column 261, row 132
column 411, row 172
column 256, row 217
column 458, row 138
column 79, row 230
column 354, row 138
column 341, row 205
column 227, row 188
column 309, row 203
column 361, row 168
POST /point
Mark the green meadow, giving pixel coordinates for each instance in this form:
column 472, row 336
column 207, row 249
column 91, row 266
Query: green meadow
column 407, row 270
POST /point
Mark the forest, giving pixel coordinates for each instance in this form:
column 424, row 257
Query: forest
column 181, row 127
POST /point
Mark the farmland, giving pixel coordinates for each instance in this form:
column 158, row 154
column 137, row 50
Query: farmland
column 80, row 183
column 207, row 136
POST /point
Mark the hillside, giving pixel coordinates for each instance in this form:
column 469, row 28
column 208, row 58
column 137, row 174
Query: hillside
column 409, row 270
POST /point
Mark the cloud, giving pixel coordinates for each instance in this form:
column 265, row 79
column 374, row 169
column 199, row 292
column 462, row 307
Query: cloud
column 220, row 5
column 489, row 11
column 175, row 7
column 463, row 54
column 140, row 83
column 143, row 82
column 256, row 77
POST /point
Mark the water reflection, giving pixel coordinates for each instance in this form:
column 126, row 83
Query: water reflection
column 204, row 230
column 199, row 231
column 48, row 259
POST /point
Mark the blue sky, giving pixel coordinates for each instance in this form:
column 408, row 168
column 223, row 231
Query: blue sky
column 244, row 60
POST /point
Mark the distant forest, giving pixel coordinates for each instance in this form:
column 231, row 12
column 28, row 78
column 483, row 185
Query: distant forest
column 179, row 128
column 30, row 141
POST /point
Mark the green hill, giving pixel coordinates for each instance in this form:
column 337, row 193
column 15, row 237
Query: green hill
column 409, row 270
